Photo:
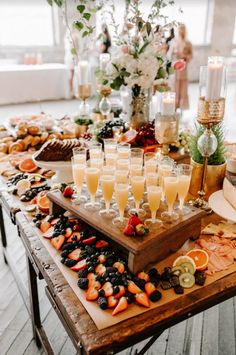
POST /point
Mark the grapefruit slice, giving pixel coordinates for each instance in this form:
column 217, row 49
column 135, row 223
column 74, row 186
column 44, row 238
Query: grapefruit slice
column 129, row 136
column 200, row 257
column 27, row 166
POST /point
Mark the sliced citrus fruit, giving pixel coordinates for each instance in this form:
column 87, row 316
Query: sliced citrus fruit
column 43, row 201
column 22, row 186
column 28, row 166
column 184, row 259
column 129, row 136
column 200, row 257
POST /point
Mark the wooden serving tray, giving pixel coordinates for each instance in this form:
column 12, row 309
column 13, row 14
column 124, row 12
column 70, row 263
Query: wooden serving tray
column 141, row 251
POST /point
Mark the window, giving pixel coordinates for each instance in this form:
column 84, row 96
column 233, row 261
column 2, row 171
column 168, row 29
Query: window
column 26, row 23
column 197, row 16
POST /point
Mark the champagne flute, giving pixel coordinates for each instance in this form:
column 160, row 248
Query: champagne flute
column 123, row 164
column 78, row 171
column 171, row 190
column 184, row 172
column 92, row 178
column 165, row 168
column 123, row 151
column 121, row 194
column 154, row 200
column 150, row 162
column 137, row 188
column 95, row 150
column 151, row 180
column 107, row 183
column 80, row 155
column 136, row 156
column 110, row 146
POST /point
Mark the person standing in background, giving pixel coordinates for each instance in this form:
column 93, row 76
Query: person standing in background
column 105, row 39
column 181, row 48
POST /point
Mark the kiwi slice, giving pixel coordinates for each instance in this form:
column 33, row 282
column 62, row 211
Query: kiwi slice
column 177, row 270
column 188, row 267
column 186, row 280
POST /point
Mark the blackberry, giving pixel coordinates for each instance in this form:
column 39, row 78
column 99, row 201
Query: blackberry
column 155, row 296
column 130, row 297
column 115, row 281
column 55, row 234
column 83, row 283
column 101, row 293
column 63, row 260
column 69, row 262
column 116, row 290
column 165, row 285
column 91, row 269
column 140, row 283
column 102, row 302
column 111, row 270
column 89, row 250
column 155, row 280
column 66, row 246
column 152, row 272
column 74, row 238
column 166, row 275
column 83, row 273
column 179, row 290
column 64, row 253
column 38, row 224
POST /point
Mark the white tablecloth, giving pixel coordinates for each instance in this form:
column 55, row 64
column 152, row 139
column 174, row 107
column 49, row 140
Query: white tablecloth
column 26, row 83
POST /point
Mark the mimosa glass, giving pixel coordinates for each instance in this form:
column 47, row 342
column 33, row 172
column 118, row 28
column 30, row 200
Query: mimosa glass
column 123, row 151
column 78, row 171
column 165, row 168
column 123, row 164
column 171, row 190
column 121, row 195
column 92, row 178
column 110, row 146
column 95, row 150
column 184, row 172
column 151, row 180
column 136, row 156
column 80, row 155
column 108, row 184
column 137, row 188
column 154, row 200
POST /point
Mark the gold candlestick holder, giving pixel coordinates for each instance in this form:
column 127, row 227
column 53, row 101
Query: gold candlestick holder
column 167, row 130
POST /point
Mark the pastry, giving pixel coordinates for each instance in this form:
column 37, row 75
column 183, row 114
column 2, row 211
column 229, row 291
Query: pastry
column 34, row 130
column 20, row 133
column 4, row 148
column 15, row 147
column 7, row 139
column 44, row 137
column 36, row 140
column 57, row 150
column 28, row 140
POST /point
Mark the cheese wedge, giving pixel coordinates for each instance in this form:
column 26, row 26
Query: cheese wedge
column 229, row 192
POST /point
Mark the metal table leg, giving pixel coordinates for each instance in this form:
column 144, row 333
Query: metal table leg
column 3, row 233
column 149, row 343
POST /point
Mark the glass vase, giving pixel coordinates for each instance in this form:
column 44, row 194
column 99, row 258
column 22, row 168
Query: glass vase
column 140, row 105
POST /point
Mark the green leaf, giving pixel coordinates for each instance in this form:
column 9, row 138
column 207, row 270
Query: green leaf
column 73, row 51
column 143, row 47
column 105, row 82
column 87, row 16
column 59, row 2
column 49, row 2
column 161, row 73
column 149, row 28
column 85, row 33
column 81, row 8
column 78, row 25
column 117, row 82
column 140, row 25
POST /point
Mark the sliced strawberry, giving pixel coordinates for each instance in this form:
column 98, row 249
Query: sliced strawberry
column 100, row 269
column 57, row 242
column 77, row 234
column 102, row 258
column 120, row 266
column 142, row 299
column 49, row 233
column 112, row 301
column 101, row 244
column 68, row 233
column 77, row 228
column 79, row 266
column 122, row 306
column 92, row 278
column 91, row 294
column 144, row 276
column 95, row 284
column 90, row 240
column 107, row 287
column 75, row 254
column 149, row 288
column 54, row 221
column 133, row 288
column 44, row 226
column 120, row 293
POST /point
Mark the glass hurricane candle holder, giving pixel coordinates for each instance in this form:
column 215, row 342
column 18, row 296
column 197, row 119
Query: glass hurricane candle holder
column 167, row 130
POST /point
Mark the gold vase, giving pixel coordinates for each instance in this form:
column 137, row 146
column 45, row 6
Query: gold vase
column 214, row 178
column 80, row 130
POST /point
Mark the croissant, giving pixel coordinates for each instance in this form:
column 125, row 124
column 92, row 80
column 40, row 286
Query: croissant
column 15, row 147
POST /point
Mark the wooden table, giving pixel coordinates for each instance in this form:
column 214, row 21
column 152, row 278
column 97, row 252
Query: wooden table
column 86, row 338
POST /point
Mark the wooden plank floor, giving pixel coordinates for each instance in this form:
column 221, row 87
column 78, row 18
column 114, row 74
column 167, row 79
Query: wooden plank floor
column 209, row 333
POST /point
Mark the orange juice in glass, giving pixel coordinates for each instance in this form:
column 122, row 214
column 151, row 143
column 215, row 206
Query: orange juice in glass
column 137, row 188
column 107, row 184
column 92, row 178
column 171, row 190
column 154, row 200
column 121, row 195
column 78, row 171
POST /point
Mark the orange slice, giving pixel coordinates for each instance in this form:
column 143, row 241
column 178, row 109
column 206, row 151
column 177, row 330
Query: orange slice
column 43, row 202
column 28, row 166
column 129, row 136
column 200, row 258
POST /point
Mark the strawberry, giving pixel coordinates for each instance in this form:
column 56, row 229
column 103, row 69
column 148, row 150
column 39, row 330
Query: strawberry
column 149, row 288
column 129, row 230
column 57, row 242
column 68, row 233
column 95, row 284
column 49, row 233
column 133, row 288
column 77, row 228
column 54, row 221
column 142, row 299
column 44, row 226
column 119, row 266
column 78, row 237
column 92, row 278
column 75, row 254
column 101, row 244
column 107, row 287
column 144, row 276
column 134, row 220
column 79, row 266
column 102, row 258
column 90, row 240
column 68, row 191
column 120, row 293
column 100, row 269
column 122, row 306
column 112, row 301
column 91, row 294
column 141, row 229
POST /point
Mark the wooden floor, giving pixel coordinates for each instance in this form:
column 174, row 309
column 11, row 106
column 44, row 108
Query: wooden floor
column 209, row 333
